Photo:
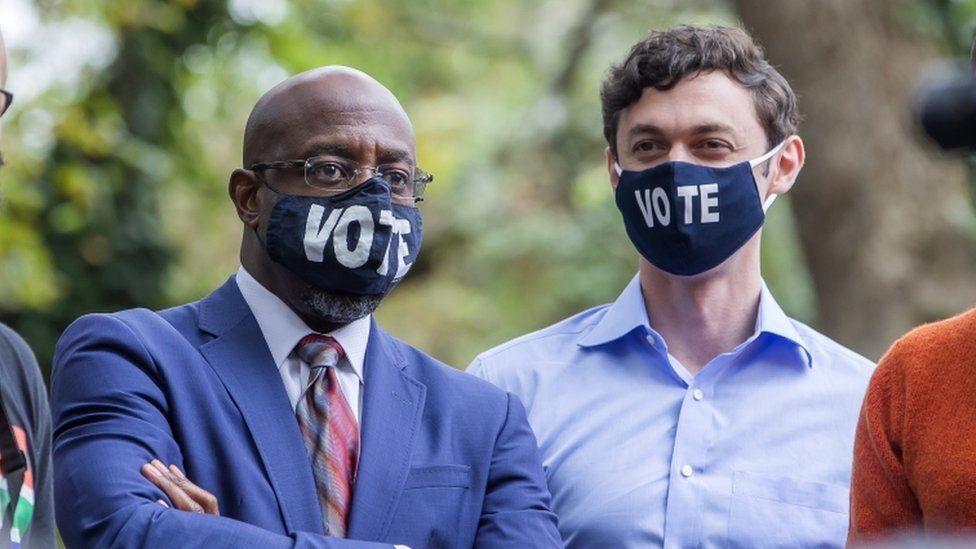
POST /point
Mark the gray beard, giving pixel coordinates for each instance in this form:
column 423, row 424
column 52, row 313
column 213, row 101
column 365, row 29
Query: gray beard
column 339, row 307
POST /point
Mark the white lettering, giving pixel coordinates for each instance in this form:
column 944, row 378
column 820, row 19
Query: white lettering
column 316, row 237
column 357, row 256
column 644, row 203
column 687, row 192
column 401, row 228
column 662, row 208
column 709, row 200
column 386, row 218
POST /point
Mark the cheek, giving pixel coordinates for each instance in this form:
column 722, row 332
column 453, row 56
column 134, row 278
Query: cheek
column 264, row 202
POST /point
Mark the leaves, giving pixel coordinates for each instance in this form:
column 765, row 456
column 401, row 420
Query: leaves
column 120, row 199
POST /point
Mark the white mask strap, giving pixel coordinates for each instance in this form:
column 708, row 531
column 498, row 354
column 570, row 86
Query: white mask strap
column 760, row 160
column 617, row 168
column 767, row 156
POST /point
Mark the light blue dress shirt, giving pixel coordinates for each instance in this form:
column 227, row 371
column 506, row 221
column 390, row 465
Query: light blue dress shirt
column 753, row 451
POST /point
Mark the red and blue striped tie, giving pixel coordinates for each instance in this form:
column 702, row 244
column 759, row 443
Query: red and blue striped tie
column 329, row 430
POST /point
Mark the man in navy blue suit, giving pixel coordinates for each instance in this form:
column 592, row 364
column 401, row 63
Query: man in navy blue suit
column 300, row 422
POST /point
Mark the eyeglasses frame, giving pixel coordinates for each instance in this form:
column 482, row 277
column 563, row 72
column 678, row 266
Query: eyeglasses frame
column 424, row 178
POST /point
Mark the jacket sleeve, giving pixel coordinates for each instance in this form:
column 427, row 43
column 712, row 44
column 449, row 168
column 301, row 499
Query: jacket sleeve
column 32, row 411
column 516, row 511
column 41, row 531
column 110, row 418
column 882, row 500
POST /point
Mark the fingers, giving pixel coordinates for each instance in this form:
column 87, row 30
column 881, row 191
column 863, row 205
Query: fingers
column 184, row 494
column 204, row 498
column 163, row 479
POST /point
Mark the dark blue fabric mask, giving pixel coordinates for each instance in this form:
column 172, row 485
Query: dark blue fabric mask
column 358, row 242
column 686, row 219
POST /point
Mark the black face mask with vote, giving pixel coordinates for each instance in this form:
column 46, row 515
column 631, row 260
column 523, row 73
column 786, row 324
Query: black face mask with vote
column 357, row 242
column 686, row 219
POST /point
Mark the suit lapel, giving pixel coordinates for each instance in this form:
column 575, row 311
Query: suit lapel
column 393, row 403
column 240, row 357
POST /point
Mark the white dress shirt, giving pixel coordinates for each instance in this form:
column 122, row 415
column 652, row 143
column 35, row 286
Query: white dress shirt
column 283, row 329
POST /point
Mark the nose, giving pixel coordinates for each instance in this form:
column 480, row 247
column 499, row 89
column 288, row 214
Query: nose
column 679, row 153
column 364, row 174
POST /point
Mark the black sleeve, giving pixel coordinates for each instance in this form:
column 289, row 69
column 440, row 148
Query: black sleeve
column 25, row 397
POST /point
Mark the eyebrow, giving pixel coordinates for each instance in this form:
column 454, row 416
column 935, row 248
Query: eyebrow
column 341, row 149
column 651, row 129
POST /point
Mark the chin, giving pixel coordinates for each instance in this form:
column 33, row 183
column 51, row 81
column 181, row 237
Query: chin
column 336, row 307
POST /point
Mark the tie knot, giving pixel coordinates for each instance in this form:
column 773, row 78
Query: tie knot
column 319, row 350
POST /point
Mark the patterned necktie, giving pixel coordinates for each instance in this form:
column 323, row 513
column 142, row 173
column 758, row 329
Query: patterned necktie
column 329, row 430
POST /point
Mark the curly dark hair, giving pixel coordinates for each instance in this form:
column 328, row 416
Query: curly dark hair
column 663, row 58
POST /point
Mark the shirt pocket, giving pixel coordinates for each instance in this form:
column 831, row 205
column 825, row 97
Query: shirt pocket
column 778, row 511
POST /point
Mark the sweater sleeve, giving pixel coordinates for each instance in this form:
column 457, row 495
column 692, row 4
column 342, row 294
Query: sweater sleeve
column 882, row 500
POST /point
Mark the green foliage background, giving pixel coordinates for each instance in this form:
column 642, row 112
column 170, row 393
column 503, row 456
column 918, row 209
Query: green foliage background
column 115, row 192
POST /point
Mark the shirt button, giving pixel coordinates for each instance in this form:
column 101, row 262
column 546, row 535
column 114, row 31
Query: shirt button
column 686, row 471
column 650, row 339
column 698, row 394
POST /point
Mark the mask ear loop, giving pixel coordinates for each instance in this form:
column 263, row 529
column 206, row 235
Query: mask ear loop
column 759, row 161
column 618, row 169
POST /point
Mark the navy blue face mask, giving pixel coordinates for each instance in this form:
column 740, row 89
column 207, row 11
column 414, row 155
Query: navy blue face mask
column 358, row 242
column 686, row 219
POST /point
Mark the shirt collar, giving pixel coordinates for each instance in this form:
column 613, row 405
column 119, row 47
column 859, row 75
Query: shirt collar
column 771, row 319
column 622, row 317
column 283, row 329
column 628, row 313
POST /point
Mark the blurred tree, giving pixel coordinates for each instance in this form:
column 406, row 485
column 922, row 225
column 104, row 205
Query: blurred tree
column 886, row 225
column 101, row 183
column 128, row 207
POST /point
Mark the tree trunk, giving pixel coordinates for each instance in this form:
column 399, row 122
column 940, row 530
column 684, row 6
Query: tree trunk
column 882, row 217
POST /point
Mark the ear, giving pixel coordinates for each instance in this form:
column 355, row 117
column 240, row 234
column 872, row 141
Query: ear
column 611, row 168
column 787, row 166
column 243, row 189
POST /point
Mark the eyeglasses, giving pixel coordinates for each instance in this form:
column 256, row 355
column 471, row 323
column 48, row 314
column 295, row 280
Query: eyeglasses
column 8, row 98
column 333, row 174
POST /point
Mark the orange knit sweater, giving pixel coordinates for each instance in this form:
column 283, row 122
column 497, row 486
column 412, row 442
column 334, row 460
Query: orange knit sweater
column 915, row 451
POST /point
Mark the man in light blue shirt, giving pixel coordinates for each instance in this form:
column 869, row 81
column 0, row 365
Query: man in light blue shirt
column 692, row 412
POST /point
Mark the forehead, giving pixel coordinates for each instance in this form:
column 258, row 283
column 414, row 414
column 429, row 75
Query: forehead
column 703, row 100
column 368, row 123
column 363, row 135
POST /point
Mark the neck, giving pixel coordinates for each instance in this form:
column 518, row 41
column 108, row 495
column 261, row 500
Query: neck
column 703, row 316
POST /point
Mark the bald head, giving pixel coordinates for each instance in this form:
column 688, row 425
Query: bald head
column 3, row 77
column 289, row 119
column 3, row 62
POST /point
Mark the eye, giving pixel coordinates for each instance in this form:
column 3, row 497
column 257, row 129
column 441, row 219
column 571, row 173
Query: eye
column 715, row 145
column 326, row 172
column 646, row 146
column 398, row 178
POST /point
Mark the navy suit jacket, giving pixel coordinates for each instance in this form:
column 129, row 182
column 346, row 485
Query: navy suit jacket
column 447, row 460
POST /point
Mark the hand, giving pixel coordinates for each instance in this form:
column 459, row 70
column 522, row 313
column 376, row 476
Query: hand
column 185, row 495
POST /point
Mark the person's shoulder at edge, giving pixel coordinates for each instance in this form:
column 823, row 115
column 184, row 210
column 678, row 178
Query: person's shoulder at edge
column 547, row 343
column 929, row 349
column 23, row 370
column 16, row 344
